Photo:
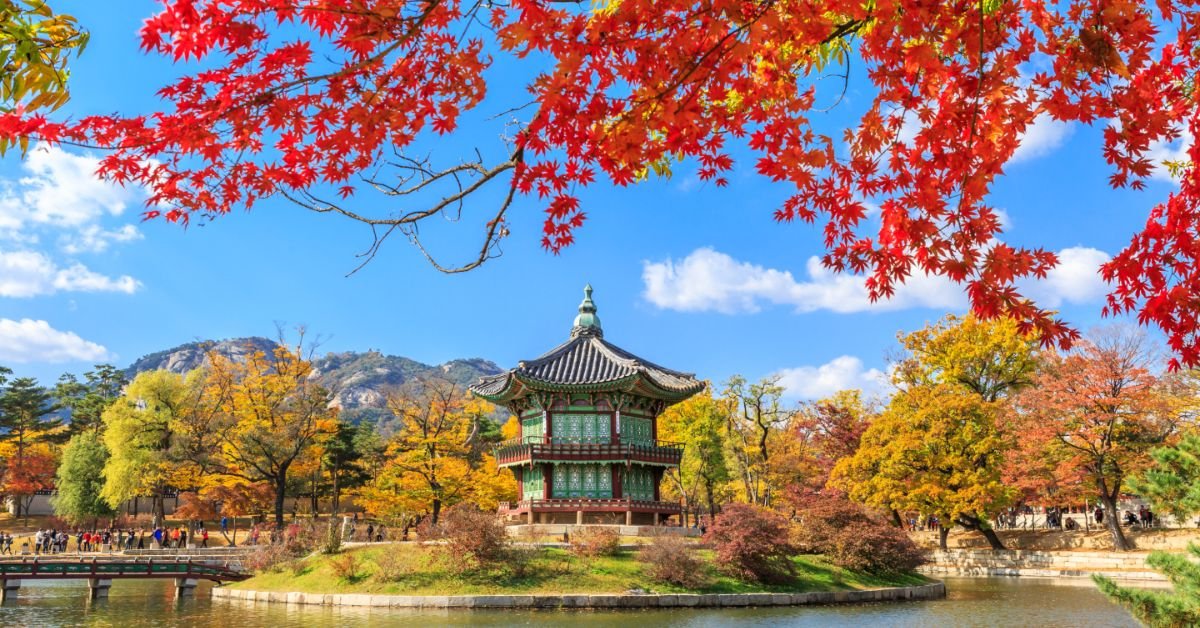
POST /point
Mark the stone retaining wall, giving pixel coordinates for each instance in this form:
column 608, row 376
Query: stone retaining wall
column 931, row 591
column 1121, row 565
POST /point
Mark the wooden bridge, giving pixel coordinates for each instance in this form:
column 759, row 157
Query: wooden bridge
column 100, row 572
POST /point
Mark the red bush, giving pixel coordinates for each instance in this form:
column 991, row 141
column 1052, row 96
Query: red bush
column 752, row 543
column 590, row 542
column 851, row 538
column 671, row 559
column 473, row 537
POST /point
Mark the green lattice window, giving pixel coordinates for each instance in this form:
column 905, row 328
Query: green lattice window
column 532, row 486
column 582, row 480
column 582, row 428
column 636, row 430
column 531, row 429
column 638, row 483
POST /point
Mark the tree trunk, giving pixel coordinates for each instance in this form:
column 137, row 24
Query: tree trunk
column 1112, row 519
column 437, row 510
column 158, row 510
column 712, row 506
column 280, row 494
column 896, row 520
column 337, row 491
column 979, row 524
column 992, row 538
column 943, row 537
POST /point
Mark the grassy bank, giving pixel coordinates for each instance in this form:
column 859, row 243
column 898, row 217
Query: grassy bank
column 410, row 569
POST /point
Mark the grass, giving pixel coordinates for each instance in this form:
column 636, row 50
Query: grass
column 412, row 569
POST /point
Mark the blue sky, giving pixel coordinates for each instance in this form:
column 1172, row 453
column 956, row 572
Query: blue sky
column 692, row 276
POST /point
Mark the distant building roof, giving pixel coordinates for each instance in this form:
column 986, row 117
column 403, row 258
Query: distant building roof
column 587, row 362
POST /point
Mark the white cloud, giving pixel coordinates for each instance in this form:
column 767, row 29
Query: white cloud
column 30, row 273
column 841, row 373
column 60, row 189
column 94, row 239
column 1161, row 152
column 710, row 281
column 1041, row 138
column 59, row 196
column 29, row 340
column 1076, row 279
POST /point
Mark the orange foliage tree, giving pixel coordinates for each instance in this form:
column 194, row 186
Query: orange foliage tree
column 1097, row 412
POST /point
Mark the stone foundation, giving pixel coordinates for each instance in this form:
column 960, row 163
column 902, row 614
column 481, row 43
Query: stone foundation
column 557, row 530
column 932, row 591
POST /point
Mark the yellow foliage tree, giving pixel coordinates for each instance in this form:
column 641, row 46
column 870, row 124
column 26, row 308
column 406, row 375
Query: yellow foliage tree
column 699, row 424
column 936, row 450
column 268, row 414
column 428, row 457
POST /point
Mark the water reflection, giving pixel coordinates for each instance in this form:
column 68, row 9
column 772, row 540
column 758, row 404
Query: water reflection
column 971, row 602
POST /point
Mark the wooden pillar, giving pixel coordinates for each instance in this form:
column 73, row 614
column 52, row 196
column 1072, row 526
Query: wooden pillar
column 628, row 517
column 578, row 517
column 529, row 515
column 98, row 587
column 185, row 587
column 8, row 589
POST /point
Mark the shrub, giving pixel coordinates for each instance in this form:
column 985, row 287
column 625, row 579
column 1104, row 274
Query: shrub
column 595, row 541
column 473, row 537
column 671, row 559
column 752, row 543
column 427, row 530
column 520, row 561
column 345, row 567
column 393, row 566
column 270, row 557
column 851, row 538
column 298, row 567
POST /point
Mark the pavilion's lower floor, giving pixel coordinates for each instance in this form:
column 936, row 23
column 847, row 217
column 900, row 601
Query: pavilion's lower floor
column 607, row 511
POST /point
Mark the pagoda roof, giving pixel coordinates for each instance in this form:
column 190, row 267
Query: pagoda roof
column 587, row 362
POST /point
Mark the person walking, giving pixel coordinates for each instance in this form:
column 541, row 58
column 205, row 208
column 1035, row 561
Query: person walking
column 204, row 537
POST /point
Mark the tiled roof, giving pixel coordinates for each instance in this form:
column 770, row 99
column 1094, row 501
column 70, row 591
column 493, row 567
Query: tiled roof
column 588, row 360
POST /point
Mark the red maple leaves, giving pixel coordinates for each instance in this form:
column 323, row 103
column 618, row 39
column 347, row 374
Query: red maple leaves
column 632, row 87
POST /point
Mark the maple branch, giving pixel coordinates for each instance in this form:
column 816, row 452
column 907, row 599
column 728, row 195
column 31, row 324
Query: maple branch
column 408, row 223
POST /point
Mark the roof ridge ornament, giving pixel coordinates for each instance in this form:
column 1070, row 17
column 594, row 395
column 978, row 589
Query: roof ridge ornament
column 587, row 323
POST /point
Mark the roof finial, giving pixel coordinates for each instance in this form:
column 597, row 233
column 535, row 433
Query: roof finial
column 587, row 321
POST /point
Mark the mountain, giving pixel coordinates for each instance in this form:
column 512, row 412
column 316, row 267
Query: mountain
column 356, row 379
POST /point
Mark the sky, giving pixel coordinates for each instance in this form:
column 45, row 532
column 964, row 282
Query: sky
column 688, row 275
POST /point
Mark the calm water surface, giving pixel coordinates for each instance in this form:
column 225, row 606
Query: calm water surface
column 1008, row 602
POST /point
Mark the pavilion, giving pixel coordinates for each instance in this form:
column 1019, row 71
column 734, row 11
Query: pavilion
column 588, row 452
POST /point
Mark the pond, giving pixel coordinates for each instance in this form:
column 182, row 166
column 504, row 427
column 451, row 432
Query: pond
column 970, row 602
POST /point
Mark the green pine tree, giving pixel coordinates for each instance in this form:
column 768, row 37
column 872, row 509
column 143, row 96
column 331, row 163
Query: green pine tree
column 1160, row 609
column 1172, row 485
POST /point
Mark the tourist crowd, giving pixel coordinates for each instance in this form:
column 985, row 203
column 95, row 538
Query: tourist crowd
column 51, row 541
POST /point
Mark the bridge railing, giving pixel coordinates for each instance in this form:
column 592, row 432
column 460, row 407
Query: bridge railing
column 39, row 569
